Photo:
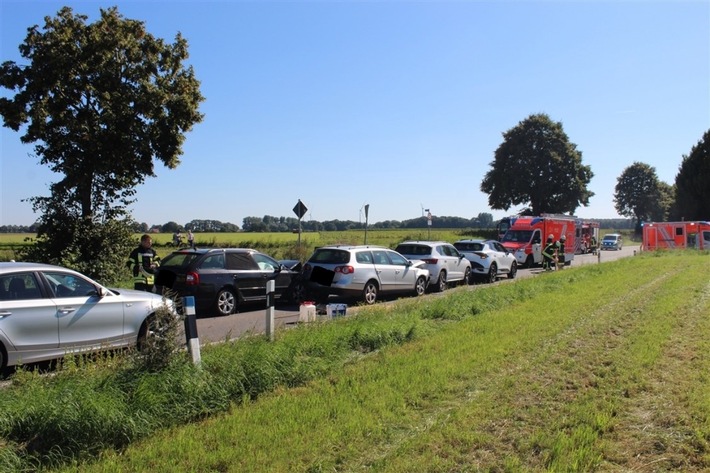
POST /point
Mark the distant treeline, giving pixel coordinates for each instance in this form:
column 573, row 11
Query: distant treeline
column 269, row 223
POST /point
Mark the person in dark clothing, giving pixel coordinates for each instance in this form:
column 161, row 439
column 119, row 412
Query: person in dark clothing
column 548, row 253
column 144, row 261
column 561, row 252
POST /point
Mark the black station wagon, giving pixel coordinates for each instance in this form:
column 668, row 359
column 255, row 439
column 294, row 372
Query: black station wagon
column 220, row 279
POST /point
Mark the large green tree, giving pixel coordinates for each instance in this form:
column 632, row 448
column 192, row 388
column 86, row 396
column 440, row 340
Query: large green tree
column 100, row 102
column 537, row 165
column 692, row 183
column 640, row 195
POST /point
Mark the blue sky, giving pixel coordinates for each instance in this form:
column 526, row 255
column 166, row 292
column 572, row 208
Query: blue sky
column 398, row 104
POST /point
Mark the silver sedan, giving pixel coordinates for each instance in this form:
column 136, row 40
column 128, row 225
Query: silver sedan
column 48, row 311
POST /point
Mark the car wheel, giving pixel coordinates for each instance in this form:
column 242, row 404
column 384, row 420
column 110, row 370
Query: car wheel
column 492, row 273
column 148, row 330
column 369, row 292
column 420, row 286
column 466, row 277
column 530, row 261
column 226, row 302
column 297, row 293
column 440, row 285
column 513, row 270
column 3, row 358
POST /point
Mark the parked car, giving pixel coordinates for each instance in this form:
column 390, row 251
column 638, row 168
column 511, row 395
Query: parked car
column 220, row 279
column 612, row 241
column 363, row 272
column 444, row 262
column 489, row 259
column 49, row 311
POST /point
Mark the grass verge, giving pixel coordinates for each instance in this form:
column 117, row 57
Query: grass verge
column 596, row 368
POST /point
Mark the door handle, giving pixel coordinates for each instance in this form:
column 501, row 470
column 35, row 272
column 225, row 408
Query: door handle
column 66, row 310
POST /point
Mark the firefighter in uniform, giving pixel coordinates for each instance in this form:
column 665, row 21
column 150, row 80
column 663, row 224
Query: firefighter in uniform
column 561, row 252
column 144, row 261
column 548, row 253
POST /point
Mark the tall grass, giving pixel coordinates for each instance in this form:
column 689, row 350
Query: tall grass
column 539, row 374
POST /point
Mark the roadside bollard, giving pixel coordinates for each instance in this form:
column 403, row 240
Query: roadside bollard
column 193, row 343
column 270, row 289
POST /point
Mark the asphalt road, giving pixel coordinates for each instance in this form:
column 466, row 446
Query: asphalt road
column 252, row 320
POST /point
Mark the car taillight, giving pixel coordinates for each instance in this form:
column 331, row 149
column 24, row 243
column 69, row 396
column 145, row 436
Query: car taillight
column 482, row 255
column 431, row 260
column 344, row 269
column 192, row 279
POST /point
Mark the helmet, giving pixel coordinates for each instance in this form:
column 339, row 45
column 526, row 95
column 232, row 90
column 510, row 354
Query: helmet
column 563, row 238
column 550, row 236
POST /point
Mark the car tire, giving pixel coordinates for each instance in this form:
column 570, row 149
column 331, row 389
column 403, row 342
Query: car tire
column 492, row 273
column 3, row 359
column 466, row 277
column 296, row 293
column 146, row 330
column 420, row 286
column 513, row 270
column 226, row 302
column 441, row 283
column 369, row 292
column 529, row 261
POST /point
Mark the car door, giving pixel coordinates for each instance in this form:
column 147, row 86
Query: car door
column 246, row 276
column 455, row 262
column 271, row 269
column 404, row 275
column 85, row 319
column 505, row 258
column 28, row 320
column 387, row 272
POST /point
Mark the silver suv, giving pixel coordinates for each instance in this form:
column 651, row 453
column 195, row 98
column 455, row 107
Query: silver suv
column 363, row 272
column 444, row 262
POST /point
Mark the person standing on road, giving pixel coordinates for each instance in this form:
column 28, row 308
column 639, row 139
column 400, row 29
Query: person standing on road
column 191, row 239
column 561, row 252
column 548, row 253
column 144, row 261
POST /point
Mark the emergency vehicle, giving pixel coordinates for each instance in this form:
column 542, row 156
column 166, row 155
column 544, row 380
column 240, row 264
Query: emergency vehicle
column 674, row 235
column 588, row 237
column 526, row 237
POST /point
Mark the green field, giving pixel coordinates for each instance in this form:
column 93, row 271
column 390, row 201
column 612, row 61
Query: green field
column 284, row 245
column 597, row 368
column 278, row 245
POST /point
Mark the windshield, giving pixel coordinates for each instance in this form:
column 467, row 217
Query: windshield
column 610, row 238
column 517, row 236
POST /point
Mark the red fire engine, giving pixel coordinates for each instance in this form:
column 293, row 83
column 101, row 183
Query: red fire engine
column 673, row 235
column 526, row 236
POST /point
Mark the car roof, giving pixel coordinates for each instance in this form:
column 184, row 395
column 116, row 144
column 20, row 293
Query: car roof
column 204, row 251
column 473, row 241
column 424, row 242
column 351, row 247
column 21, row 265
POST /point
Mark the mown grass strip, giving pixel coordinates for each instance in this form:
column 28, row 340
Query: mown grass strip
column 537, row 385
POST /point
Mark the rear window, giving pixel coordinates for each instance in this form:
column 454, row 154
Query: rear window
column 178, row 260
column 330, row 256
column 418, row 250
column 468, row 246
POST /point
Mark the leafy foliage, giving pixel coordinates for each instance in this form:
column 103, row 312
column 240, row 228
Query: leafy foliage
column 639, row 194
column 692, row 183
column 97, row 249
column 100, row 101
column 537, row 165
